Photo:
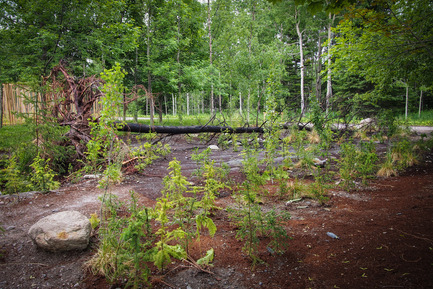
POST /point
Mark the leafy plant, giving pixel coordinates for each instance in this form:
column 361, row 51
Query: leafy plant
column 357, row 162
column 201, row 160
column 125, row 244
column 387, row 168
column 105, row 147
column 248, row 217
column 403, row 154
column 147, row 153
column 43, row 176
column 163, row 250
column 208, row 258
column 94, row 220
column 12, row 178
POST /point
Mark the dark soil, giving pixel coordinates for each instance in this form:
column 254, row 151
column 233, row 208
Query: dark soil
column 385, row 235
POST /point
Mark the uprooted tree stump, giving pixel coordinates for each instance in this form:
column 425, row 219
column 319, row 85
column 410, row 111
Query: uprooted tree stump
column 74, row 103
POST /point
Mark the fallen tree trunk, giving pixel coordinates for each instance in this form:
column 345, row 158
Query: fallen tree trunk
column 141, row 128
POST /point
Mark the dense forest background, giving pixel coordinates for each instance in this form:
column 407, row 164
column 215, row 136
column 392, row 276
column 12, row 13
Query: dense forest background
column 346, row 58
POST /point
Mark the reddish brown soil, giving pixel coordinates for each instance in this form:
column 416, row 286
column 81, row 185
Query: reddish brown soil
column 385, row 230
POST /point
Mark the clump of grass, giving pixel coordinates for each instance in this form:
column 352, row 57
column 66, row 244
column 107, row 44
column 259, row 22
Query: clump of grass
column 313, row 137
column 387, row 169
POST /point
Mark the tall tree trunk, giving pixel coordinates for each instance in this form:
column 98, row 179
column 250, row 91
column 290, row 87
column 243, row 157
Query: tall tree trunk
column 250, row 40
column 406, row 107
column 240, row 103
column 301, row 54
column 219, row 98
column 160, row 108
column 248, row 106
column 149, row 76
column 420, row 104
column 173, row 103
column 1, row 105
column 209, row 22
column 329, row 81
column 187, row 103
column 202, row 102
column 165, row 104
column 259, row 96
column 135, row 84
column 179, row 83
column 124, row 105
column 318, row 70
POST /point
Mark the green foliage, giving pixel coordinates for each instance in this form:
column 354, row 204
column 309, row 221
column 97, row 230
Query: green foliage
column 272, row 143
column 125, row 244
column 12, row 136
column 253, row 223
column 318, row 188
column 357, row 162
column 185, row 208
column 387, row 168
column 105, row 148
column 403, row 154
column 251, row 163
column 201, row 159
column 208, row 258
column 164, row 251
column 249, row 217
column 387, row 123
column 43, row 177
column 94, row 221
column 147, row 153
column 12, row 178
column 423, row 119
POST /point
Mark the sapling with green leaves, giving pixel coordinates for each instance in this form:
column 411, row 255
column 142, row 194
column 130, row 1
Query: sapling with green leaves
column 201, row 160
column 12, row 179
column 249, row 218
column 163, row 250
column 125, row 244
column 43, row 176
column 182, row 207
column 357, row 162
column 105, row 148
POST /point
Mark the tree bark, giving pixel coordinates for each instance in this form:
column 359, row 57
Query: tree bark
column 419, row 108
column 406, row 107
column 209, row 22
column 318, row 70
column 140, row 128
column 301, row 54
column 149, row 76
column 329, row 81
column 1, row 105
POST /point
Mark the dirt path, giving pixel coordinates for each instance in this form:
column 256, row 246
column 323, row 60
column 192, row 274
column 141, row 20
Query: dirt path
column 385, row 231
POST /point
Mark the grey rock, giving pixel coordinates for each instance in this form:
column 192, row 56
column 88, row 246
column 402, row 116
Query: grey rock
column 63, row 231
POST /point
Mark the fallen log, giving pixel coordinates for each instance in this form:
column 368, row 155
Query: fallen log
column 141, row 128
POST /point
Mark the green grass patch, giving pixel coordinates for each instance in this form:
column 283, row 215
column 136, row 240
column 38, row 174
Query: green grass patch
column 192, row 120
column 425, row 119
column 11, row 136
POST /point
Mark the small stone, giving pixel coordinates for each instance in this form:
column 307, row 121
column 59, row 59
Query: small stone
column 213, row 147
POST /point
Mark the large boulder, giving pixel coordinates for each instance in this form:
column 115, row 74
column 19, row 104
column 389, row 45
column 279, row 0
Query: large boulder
column 63, row 231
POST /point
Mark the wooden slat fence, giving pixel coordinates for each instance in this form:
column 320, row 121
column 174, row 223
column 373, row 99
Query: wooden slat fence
column 19, row 99
column 16, row 101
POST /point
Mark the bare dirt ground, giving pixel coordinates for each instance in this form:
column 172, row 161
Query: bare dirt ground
column 385, row 235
